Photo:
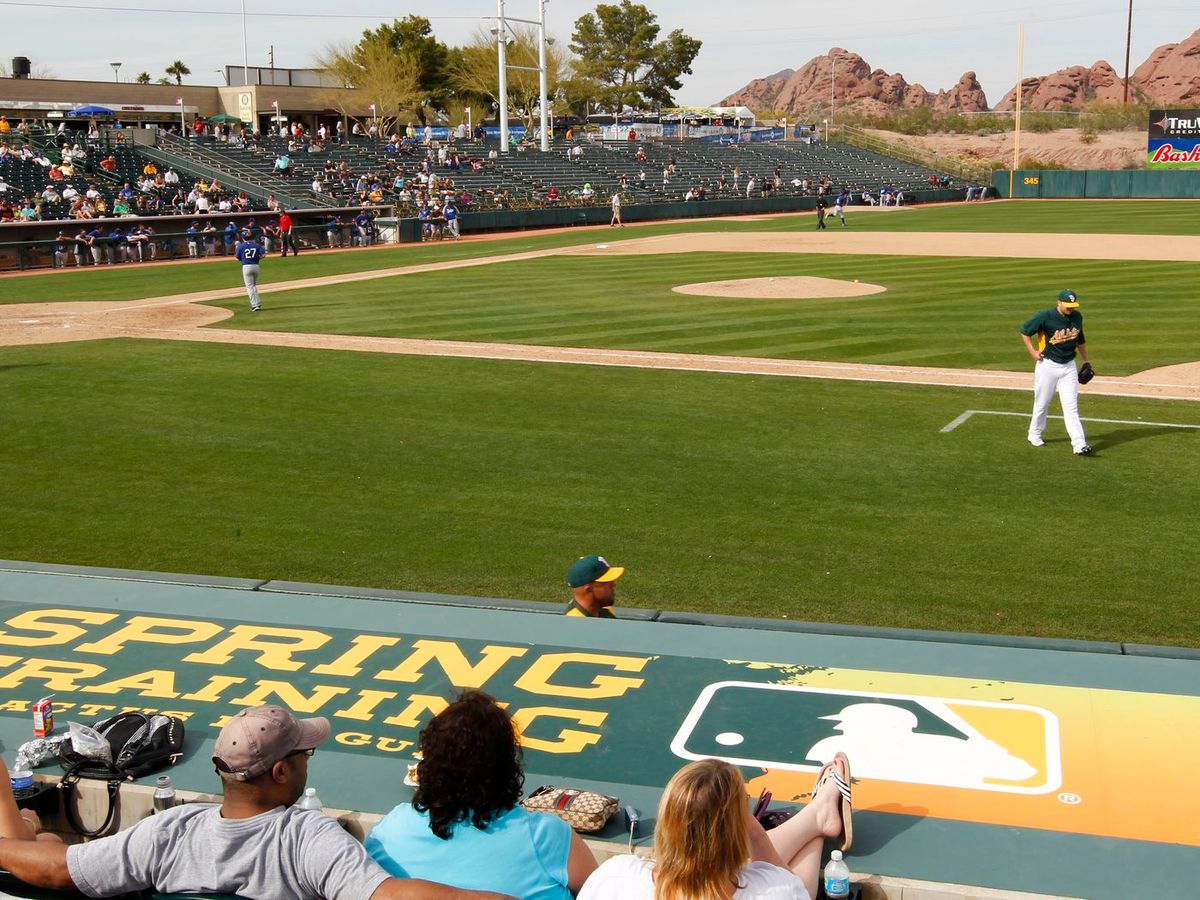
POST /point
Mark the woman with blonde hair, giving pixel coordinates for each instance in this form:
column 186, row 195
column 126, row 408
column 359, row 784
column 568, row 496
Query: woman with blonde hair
column 707, row 845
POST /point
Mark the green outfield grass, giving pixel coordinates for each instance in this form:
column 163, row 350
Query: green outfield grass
column 133, row 282
column 748, row 495
column 935, row 312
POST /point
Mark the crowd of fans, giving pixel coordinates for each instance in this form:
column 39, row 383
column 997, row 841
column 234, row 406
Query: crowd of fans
column 464, row 833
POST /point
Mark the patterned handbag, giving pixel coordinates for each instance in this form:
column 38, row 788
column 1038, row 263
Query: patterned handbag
column 585, row 811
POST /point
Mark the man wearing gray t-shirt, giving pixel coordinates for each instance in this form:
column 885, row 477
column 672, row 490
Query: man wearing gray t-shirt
column 256, row 844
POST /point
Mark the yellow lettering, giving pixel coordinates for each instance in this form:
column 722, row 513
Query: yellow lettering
column 55, row 632
column 569, row 740
column 19, row 706
column 460, row 672
column 179, row 714
column 537, row 679
column 392, row 745
column 57, row 676
column 410, row 716
column 155, row 683
column 151, row 630
column 94, row 709
column 365, row 705
column 211, row 692
column 274, row 646
column 350, row 662
column 289, row 696
column 352, row 738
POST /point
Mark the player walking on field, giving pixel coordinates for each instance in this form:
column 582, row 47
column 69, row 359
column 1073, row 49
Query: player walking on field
column 1059, row 335
column 249, row 253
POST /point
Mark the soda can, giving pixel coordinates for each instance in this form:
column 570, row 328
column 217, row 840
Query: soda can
column 43, row 717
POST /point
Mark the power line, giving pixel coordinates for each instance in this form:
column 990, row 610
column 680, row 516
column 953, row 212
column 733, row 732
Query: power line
column 234, row 13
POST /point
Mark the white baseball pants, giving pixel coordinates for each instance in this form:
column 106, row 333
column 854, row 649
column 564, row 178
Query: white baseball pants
column 250, row 278
column 1049, row 377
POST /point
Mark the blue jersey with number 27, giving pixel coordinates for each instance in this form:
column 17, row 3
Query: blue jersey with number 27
column 249, row 253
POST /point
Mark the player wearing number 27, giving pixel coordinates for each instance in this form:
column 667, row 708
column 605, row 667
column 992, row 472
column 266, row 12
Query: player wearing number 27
column 1059, row 335
column 249, row 253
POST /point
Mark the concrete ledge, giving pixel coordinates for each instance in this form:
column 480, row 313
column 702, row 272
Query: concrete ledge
column 1162, row 652
column 217, row 581
column 895, row 634
column 363, row 593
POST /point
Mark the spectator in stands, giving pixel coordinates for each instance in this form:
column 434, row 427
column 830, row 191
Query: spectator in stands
column 70, row 193
column 707, row 844
column 552, row 196
column 3, row 185
column 593, row 587
column 171, row 177
column 109, row 163
column 465, row 824
column 29, row 212
column 256, row 844
column 588, row 194
column 283, row 165
column 120, row 206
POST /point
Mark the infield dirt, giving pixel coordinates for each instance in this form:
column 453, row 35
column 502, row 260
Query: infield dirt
column 182, row 317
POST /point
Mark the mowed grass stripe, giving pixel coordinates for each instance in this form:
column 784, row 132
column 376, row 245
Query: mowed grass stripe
column 936, row 311
column 747, row 495
column 1032, row 216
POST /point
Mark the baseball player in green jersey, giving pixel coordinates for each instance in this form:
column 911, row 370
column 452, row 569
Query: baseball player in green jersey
column 1059, row 335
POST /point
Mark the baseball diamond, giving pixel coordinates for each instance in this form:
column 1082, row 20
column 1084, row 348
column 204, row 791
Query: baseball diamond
column 752, row 418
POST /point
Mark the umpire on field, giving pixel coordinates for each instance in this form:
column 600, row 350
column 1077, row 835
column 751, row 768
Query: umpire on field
column 249, row 253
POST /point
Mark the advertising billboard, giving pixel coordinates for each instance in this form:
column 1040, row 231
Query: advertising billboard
column 1173, row 140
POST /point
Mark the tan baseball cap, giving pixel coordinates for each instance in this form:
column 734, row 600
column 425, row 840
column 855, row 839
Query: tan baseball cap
column 257, row 738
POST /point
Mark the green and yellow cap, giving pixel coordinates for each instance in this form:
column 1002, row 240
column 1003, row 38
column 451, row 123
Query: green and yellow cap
column 1068, row 299
column 587, row 569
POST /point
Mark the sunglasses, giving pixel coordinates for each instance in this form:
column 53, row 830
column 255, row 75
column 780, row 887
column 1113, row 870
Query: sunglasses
column 309, row 752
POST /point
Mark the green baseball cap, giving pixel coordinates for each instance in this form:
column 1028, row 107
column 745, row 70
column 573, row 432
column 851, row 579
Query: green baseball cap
column 1068, row 299
column 587, row 569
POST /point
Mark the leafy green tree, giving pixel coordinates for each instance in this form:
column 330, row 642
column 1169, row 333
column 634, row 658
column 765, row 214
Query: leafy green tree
column 413, row 37
column 142, row 78
column 477, row 67
column 383, row 75
column 177, row 70
column 619, row 49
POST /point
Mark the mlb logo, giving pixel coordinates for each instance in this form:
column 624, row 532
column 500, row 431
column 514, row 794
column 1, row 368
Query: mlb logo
column 971, row 744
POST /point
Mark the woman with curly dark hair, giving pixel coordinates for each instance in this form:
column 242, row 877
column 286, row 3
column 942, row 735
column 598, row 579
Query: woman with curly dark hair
column 465, row 822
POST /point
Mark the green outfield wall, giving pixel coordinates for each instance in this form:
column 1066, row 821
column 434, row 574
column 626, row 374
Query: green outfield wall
column 1098, row 184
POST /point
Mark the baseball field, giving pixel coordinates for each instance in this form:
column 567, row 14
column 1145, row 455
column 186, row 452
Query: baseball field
column 831, row 427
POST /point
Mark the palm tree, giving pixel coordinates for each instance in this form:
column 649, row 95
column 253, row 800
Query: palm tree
column 142, row 78
column 178, row 69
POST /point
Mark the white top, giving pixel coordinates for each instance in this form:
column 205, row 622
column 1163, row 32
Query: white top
column 628, row 878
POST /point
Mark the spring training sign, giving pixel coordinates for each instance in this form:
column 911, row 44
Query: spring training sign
column 1174, row 139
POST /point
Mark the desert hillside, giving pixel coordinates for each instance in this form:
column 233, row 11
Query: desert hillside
column 1170, row 77
column 1109, row 150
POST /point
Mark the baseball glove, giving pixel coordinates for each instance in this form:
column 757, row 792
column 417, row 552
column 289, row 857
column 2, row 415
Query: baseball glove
column 1086, row 373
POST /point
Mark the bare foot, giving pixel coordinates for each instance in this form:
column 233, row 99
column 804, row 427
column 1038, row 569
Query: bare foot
column 827, row 803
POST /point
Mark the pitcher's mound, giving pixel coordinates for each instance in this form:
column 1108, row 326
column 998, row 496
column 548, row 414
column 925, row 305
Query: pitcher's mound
column 781, row 287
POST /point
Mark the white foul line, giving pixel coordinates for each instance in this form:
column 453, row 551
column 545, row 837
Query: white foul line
column 990, row 412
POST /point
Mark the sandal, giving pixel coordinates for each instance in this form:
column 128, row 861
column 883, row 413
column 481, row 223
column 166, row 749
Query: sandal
column 830, row 772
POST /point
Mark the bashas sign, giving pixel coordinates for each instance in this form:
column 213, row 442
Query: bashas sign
column 1173, row 140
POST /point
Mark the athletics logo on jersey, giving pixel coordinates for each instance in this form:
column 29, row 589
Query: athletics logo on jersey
column 972, row 744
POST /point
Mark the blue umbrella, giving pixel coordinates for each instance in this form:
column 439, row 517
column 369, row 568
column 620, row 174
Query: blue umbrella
column 84, row 111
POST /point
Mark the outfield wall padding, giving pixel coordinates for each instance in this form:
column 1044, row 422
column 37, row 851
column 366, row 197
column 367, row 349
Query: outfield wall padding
column 217, row 581
column 1109, row 184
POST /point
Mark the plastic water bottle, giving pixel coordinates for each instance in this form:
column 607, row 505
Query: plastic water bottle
column 164, row 793
column 310, row 800
column 837, row 877
column 21, row 777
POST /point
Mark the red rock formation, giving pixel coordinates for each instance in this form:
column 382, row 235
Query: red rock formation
column 1171, row 76
column 855, row 86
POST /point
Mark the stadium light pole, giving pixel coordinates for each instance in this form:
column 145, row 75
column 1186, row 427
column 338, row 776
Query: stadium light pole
column 544, row 143
column 832, row 101
column 501, row 48
column 116, row 67
column 1012, row 173
column 182, row 119
column 245, row 50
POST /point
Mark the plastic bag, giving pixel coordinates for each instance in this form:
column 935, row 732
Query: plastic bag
column 89, row 743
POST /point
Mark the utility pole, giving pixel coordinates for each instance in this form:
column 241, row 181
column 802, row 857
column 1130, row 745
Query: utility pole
column 544, row 144
column 1128, row 41
column 245, row 50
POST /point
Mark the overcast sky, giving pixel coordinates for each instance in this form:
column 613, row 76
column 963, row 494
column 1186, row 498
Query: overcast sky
column 742, row 40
